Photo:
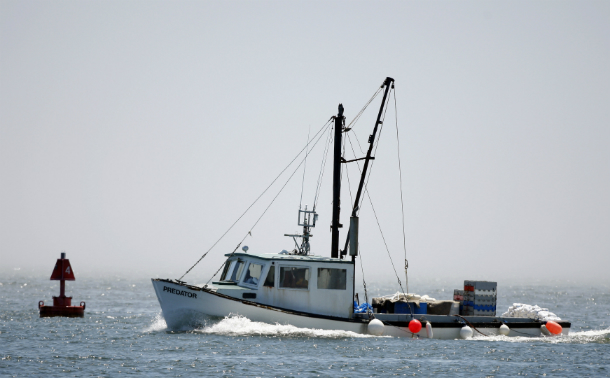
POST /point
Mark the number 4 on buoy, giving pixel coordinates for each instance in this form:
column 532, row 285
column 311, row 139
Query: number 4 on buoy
column 62, row 271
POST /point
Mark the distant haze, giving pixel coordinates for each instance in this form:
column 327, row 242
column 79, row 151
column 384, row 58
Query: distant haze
column 133, row 134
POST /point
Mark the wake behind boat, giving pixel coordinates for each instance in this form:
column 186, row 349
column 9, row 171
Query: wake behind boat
column 312, row 291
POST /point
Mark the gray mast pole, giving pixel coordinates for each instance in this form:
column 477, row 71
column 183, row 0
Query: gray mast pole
column 335, row 225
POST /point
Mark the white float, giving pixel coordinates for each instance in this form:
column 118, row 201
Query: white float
column 466, row 332
column 544, row 330
column 429, row 330
column 376, row 327
column 504, row 330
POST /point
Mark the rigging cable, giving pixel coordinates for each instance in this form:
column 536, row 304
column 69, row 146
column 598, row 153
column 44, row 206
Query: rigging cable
column 349, row 187
column 402, row 205
column 376, row 144
column 259, row 218
column 330, row 139
column 304, row 170
column 255, row 201
column 366, row 295
column 379, row 226
column 375, row 148
column 357, row 117
column 371, row 201
column 322, row 167
column 342, row 156
column 375, row 213
column 349, row 183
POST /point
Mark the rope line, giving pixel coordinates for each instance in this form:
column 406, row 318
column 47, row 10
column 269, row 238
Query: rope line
column 366, row 295
column 402, row 205
column 378, row 224
column 349, row 183
column 255, row 201
column 304, row 170
column 371, row 201
column 470, row 324
column 268, row 206
column 322, row 168
column 349, row 187
column 374, row 153
column 357, row 117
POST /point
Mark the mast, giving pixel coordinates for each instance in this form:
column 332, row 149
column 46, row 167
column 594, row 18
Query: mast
column 387, row 83
column 335, row 225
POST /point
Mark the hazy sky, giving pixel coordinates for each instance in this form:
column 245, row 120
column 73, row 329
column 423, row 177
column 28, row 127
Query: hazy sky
column 133, row 133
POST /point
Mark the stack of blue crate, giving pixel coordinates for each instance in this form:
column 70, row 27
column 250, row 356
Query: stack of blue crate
column 458, row 295
column 480, row 298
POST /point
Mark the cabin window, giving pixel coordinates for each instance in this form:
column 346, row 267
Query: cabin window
column 237, row 271
column 226, row 273
column 294, row 278
column 270, row 280
column 331, row 278
column 253, row 274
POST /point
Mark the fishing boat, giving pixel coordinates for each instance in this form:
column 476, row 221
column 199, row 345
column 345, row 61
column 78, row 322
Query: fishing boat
column 308, row 290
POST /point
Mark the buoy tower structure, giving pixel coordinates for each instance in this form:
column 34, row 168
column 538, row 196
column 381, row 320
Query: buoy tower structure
column 62, row 305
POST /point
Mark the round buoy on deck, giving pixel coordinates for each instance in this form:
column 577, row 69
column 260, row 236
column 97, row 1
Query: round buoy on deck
column 553, row 327
column 466, row 332
column 414, row 326
column 504, row 330
column 429, row 332
column 376, row 327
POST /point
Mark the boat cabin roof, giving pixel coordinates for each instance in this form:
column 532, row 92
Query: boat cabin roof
column 286, row 257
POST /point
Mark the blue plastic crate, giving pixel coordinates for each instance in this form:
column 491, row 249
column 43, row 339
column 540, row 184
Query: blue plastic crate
column 406, row 308
column 484, row 307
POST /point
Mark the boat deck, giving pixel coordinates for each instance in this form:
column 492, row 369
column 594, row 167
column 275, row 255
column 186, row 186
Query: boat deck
column 488, row 325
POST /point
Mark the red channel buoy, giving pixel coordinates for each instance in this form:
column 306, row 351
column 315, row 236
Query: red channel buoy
column 414, row 326
column 62, row 305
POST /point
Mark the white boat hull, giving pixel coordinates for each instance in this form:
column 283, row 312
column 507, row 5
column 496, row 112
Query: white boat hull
column 186, row 306
column 182, row 310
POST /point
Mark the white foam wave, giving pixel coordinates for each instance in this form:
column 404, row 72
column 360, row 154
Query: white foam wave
column 581, row 337
column 158, row 324
column 585, row 337
column 236, row 325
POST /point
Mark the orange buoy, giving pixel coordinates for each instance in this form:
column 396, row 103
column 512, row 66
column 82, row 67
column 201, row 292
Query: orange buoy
column 414, row 326
column 553, row 327
column 62, row 305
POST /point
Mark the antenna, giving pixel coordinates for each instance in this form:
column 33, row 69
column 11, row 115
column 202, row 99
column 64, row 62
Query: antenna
column 307, row 220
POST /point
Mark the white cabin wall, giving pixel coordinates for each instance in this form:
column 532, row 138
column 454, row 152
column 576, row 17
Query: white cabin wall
column 324, row 302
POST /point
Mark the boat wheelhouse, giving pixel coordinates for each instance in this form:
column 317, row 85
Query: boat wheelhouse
column 312, row 284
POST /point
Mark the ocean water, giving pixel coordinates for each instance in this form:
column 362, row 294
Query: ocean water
column 123, row 332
